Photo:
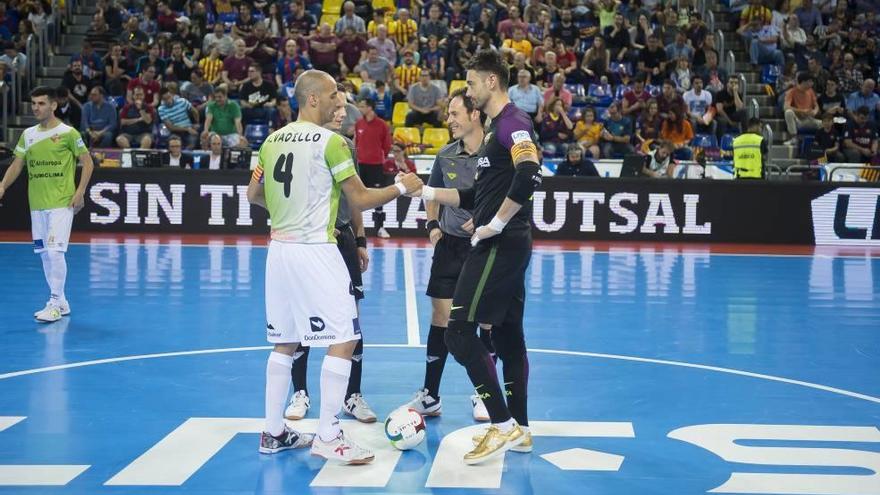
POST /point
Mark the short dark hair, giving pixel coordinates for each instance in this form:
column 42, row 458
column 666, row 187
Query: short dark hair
column 368, row 102
column 61, row 92
column 863, row 110
column 490, row 61
column 47, row 91
column 165, row 91
column 753, row 123
column 804, row 77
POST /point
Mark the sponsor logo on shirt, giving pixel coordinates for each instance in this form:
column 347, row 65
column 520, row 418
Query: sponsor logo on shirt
column 483, row 162
column 520, row 136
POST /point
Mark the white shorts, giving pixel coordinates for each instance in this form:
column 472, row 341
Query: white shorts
column 309, row 298
column 51, row 229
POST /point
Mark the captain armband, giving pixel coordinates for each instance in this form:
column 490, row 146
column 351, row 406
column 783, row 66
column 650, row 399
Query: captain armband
column 257, row 175
column 526, row 179
column 523, row 150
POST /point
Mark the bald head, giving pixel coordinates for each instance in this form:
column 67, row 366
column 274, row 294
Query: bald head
column 315, row 92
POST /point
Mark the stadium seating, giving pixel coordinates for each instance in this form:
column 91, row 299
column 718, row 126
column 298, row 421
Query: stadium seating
column 435, row 139
column 398, row 116
column 357, row 81
column 256, row 134
column 409, row 135
column 330, row 19
column 332, row 7
column 455, row 84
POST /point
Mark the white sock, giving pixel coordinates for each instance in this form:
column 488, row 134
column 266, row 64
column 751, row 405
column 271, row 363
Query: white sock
column 334, row 382
column 47, row 269
column 505, row 426
column 57, row 275
column 277, row 387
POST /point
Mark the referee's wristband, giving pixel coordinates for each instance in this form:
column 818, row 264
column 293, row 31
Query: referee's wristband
column 432, row 224
column 497, row 224
column 400, row 187
column 360, row 241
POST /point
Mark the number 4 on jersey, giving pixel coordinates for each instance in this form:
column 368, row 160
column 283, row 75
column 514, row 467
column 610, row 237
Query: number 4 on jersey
column 282, row 172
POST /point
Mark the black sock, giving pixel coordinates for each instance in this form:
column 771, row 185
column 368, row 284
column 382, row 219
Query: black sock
column 436, row 360
column 486, row 338
column 357, row 368
column 298, row 370
column 516, row 386
column 481, row 370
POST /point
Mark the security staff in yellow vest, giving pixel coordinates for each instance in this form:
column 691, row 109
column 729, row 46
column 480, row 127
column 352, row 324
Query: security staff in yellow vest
column 750, row 152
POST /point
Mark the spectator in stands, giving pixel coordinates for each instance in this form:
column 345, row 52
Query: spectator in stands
column 827, row 141
column 223, row 117
column 681, row 76
column 176, row 157
column 289, row 63
column 527, row 97
column 617, row 134
column 677, row 130
column 702, row 49
column 653, row 59
column 680, row 48
column 136, row 120
column 801, row 108
column 212, row 66
column 556, row 130
column 351, row 50
column 405, row 75
column 819, row 74
column 245, row 23
column 513, row 21
column 425, row 102
column 516, row 44
column 191, row 42
column 352, row 111
column 372, row 142
column 215, row 146
column 540, row 27
column 701, row 113
column 93, row 66
column 617, row 39
column 115, row 71
column 697, row 32
column 76, row 82
column 648, row 125
column 235, row 67
column 669, row 28
column 152, row 58
column 714, row 77
column 404, row 30
column 433, row 58
column 384, row 45
column 635, row 98
column 261, row 48
column 350, row 20
column 794, row 38
column 860, row 140
column 659, row 163
column 764, row 44
column 520, row 62
column 730, row 108
column 831, row 101
column 218, row 37
column 399, row 162
column 257, row 99
column 275, row 20
column 180, row 66
column 755, row 11
column 575, row 165
column 669, row 100
column 167, row 19
column 864, row 97
column 808, row 16
column 133, row 40
column 147, row 21
column 303, row 21
column 323, row 50
column 849, row 76
column 147, row 81
column 558, row 90
column 433, row 26
column 179, row 117
column 98, row 120
column 476, row 10
column 596, row 61
column 382, row 97
column 588, row 132
column 99, row 30
column 69, row 109
column 546, row 74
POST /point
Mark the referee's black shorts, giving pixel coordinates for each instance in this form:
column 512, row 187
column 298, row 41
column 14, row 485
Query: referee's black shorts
column 449, row 255
column 372, row 175
column 347, row 246
column 491, row 286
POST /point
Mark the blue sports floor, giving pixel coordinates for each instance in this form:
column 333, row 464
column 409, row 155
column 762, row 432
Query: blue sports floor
column 653, row 371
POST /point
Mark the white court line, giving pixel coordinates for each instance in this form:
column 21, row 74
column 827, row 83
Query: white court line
column 617, row 357
column 412, row 310
column 540, row 249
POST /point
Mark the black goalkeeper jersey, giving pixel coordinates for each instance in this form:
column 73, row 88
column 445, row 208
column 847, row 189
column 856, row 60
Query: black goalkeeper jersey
column 495, row 169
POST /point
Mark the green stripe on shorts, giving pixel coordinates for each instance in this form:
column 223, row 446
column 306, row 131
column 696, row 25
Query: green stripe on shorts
column 482, row 284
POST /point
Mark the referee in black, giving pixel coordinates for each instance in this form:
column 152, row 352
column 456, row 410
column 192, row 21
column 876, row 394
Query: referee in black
column 454, row 167
column 352, row 243
column 491, row 288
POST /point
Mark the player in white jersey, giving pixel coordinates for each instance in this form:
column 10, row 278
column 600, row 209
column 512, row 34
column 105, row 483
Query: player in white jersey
column 308, row 289
column 50, row 151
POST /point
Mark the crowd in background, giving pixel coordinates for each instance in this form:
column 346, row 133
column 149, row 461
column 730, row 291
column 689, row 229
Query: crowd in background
column 612, row 77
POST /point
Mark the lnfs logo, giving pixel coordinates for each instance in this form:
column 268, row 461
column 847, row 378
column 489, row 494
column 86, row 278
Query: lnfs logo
column 847, row 215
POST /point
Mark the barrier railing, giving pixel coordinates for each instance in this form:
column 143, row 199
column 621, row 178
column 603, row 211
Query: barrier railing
column 4, row 110
column 754, row 110
column 719, row 38
column 832, row 176
column 710, row 21
column 730, row 62
column 767, row 133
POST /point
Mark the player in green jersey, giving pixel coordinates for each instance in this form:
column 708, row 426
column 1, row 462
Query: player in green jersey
column 50, row 151
column 308, row 289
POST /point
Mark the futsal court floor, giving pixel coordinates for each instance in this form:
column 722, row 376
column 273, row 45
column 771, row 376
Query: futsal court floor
column 655, row 369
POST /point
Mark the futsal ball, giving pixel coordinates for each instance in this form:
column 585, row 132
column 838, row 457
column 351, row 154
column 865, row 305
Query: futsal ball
column 405, row 428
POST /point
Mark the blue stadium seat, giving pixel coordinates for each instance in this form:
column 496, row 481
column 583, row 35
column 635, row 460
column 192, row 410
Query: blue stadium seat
column 162, row 137
column 727, row 142
column 704, row 141
column 118, row 101
column 601, row 114
column 769, row 74
column 601, row 94
column 227, row 17
column 654, row 91
column 806, row 145
column 256, row 134
column 619, row 91
column 577, row 92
